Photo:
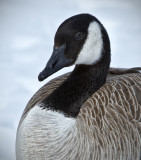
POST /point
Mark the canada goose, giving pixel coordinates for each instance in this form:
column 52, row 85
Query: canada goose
column 78, row 116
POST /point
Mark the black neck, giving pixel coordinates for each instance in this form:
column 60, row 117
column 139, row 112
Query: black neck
column 79, row 86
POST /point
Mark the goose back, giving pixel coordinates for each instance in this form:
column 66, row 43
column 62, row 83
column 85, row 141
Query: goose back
column 111, row 116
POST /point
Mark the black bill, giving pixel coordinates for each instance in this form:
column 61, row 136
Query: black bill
column 56, row 62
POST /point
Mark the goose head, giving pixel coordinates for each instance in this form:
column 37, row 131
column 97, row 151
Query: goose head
column 79, row 40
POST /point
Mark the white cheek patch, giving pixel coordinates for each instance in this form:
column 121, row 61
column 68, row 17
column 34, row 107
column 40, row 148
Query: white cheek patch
column 92, row 48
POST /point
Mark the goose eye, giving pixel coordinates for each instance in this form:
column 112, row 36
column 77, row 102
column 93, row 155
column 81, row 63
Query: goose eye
column 79, row 36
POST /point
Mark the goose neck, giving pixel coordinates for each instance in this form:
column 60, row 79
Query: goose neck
column 79, row 86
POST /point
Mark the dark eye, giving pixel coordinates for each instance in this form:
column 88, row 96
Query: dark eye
column 79, row 36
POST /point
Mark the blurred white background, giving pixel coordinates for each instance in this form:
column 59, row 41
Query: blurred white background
column 27, row 29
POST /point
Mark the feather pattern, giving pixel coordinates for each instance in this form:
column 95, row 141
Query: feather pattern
column 108, row 126
column 113, row 117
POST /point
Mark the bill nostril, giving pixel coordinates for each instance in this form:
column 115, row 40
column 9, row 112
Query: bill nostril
column 53, row 64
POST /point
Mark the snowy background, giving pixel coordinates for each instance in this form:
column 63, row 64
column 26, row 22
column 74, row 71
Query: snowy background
column 27, row 29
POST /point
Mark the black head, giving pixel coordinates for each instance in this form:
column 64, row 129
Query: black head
column 78, row 40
